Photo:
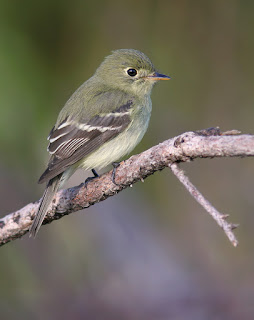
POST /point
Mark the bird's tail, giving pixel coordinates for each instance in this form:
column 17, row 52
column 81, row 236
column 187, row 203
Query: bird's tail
column 50, row 191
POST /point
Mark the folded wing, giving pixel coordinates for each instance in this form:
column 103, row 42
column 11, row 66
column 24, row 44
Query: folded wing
column 71, row 141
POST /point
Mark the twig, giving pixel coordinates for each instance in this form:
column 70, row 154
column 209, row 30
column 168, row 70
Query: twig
column 217, row 216
column 183, row 148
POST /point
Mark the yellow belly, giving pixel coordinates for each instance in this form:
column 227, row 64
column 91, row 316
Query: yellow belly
column 121, row 145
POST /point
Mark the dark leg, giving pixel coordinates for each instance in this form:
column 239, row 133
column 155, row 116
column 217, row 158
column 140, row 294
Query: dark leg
column 95, row 175
column 115, row 166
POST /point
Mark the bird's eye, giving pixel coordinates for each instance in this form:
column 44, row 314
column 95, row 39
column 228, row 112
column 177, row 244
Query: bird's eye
column 132, row 72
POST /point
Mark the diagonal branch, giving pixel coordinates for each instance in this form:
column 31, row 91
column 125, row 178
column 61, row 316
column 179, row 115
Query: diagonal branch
column 217, row 216
column 183, row 148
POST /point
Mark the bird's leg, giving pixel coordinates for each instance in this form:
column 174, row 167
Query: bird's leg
column 95, row 175
column 115, row 166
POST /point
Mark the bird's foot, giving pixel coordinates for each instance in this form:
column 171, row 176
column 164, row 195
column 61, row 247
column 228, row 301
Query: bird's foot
column 115, row 166
column 95, row 175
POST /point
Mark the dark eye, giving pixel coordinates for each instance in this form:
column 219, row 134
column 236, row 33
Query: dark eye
column 132, row 72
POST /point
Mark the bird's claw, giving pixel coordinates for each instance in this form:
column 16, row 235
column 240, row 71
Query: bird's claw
column 96, row 175
column 115, row 166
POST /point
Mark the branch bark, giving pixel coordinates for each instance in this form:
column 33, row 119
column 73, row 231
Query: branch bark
column 188, row 146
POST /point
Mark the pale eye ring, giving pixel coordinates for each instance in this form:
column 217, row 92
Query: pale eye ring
column 132, row 72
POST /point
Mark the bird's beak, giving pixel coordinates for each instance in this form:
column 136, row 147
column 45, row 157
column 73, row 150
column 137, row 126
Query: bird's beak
column 158, row 76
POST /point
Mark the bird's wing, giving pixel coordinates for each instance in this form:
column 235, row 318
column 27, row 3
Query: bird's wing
column 71, row 141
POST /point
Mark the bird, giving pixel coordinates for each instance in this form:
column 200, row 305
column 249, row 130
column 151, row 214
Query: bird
column 103, row 120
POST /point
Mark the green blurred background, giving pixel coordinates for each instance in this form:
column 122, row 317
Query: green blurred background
column 150, row 252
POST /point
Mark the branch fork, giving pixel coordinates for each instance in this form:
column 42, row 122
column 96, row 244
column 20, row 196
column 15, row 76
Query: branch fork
column 208, row 143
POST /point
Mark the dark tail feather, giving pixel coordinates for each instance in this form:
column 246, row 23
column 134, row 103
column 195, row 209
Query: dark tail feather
column 47, row 197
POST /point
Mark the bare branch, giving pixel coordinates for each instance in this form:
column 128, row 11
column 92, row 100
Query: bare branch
column 217, row 216
column 186, row 147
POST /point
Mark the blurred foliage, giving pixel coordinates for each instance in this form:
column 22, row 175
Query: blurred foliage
column 149, row 253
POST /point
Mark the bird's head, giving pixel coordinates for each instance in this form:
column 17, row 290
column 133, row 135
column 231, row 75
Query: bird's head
column 129, row 70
